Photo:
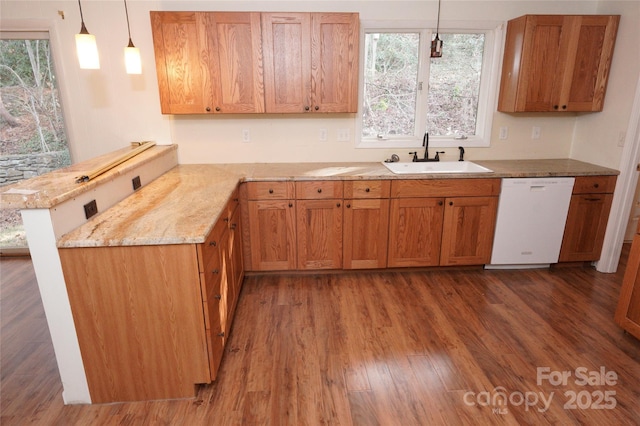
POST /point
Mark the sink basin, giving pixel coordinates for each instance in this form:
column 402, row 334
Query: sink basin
column 436, row 167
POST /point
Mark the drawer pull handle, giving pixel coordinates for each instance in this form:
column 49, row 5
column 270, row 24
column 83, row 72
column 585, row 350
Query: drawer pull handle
column 270, row 191
column 221, row 334
column 593, row 199
column 218, row 297
column 213, row 244
column 319, row 190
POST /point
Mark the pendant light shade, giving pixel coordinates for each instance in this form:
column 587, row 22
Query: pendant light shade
column 86, row 47
column 436, row 43
column 132, row 61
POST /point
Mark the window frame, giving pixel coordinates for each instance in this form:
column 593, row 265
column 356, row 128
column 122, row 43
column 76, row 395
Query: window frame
column 488, row 96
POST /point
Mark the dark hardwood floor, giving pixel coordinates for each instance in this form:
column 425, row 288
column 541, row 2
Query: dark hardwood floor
column 441, row 347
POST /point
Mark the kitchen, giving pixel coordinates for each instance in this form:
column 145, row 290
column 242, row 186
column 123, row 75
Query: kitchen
column 218, row 140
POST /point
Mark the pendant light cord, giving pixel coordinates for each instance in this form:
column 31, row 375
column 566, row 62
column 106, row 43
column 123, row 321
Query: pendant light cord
column 126, row 11
column 438, row 22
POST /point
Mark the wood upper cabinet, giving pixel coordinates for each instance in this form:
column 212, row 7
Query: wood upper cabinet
column 587, row 218
column 208, row 62
column 311, row 62
column 628, row 311
column 366, row 224
column 557, row 62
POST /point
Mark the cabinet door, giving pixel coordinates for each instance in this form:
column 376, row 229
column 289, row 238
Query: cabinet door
column 366, row 224
column 586, row 225
column 334, row 62
column 587, row 69
column 235, row 47
column 180, row 47
column 319, row 234
column 235, row 261
column 415, row 231
column 628, row 311
column 286, row 41
column 272, row 234
column 467, row 236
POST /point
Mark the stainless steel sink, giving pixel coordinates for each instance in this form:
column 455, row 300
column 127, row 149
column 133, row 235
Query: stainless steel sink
column 436, row 167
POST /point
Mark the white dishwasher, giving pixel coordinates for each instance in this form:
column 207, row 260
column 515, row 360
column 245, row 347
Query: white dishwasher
column 530, row 224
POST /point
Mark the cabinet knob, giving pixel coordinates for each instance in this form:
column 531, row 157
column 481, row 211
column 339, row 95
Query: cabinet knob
column 450, row 203
column 440, row 203
column 208, row 109
column 337, row 204
column 290, row 204
column 218, row 109
column 270, row 191
column 555, row 107
column 234, row 226
column 226, row 219
column 564, row 107
column 215, row 271
column 348, row 206
column 221, row 334
column 212, row 243
column 306, row 108
column 596, row 185
column 317, row 107
column 367, row 190
column 217, row 297
column 319, row 190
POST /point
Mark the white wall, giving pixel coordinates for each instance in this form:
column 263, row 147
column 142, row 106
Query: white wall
column 107, row 108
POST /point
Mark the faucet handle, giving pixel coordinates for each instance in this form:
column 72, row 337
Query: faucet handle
column 437, row 157
column 415, row 156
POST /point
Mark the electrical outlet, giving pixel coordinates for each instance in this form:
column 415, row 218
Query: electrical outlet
column 343, row 135
column 90, row 209
column 535, row 132
column 246, row 135
column 136, row 182
column 323, row 134
column 621, row 138
column 504, row 133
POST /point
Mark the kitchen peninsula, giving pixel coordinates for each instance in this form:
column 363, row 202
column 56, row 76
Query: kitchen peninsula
column 153, row 279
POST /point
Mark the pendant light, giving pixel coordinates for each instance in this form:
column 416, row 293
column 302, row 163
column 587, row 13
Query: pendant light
column 86, row 47
column 436, row 43
column 132, row 61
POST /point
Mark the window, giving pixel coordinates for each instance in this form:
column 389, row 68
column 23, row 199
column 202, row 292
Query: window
column 33, row 139
column 405, row 93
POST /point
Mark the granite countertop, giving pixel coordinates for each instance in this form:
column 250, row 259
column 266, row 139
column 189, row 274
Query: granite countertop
column 51, row 189
column 181, row 206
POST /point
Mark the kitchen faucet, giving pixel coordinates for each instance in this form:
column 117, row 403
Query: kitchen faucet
column 425, row 143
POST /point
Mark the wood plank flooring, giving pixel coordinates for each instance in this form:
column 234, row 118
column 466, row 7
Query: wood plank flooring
column 441, row 347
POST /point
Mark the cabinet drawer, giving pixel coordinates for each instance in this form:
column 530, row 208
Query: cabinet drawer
column 445, row 188
column 594, row 184
column 318, row 189
column 367, row 189
column 270, row 190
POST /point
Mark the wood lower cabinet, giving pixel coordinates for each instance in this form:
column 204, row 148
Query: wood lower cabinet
column 442, row 222
column 269, row 233
column 628, row 311
column 469, row 225
column 557, row 62
column 366, row 224
column 587, row 218
column 319, row 224
column 152, row 321
column 415, row 231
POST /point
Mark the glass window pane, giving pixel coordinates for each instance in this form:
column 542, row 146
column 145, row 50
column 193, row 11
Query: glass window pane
column 390, row 87
column 33, row 140
column 454, row 85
